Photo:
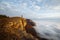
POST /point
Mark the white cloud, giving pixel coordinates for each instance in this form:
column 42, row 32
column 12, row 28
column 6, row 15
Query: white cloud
column 5, row 4
column 51, row 4
column 23, row 5
column 46, row 5
column 39, row 0
column 1, row 8
column 53, row 8
column 37, row 8
column 56, row 1
column 56, row 8
column 12, row 7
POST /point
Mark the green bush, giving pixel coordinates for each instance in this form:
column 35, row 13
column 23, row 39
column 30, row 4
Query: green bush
column 3, row 16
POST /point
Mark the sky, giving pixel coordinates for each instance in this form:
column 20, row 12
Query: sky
column 31, row 8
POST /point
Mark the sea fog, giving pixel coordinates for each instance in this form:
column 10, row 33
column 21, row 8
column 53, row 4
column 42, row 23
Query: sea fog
column 48, row 29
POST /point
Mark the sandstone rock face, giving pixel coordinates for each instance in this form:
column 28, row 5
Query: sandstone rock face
column 14, row 29
column 17, row 28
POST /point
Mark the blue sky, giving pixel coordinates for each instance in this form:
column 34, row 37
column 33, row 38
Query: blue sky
column 31, row 8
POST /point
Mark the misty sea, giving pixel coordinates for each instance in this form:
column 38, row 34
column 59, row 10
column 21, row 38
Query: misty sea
column 48, row 29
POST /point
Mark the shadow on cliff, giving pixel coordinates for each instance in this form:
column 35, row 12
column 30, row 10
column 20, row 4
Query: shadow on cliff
column 30, row 29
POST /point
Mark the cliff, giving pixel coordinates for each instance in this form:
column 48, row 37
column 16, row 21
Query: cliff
column 17, row 28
